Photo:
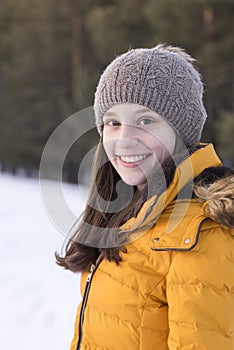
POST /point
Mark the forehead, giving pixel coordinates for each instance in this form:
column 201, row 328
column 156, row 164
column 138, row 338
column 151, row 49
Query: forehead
column 129, row 109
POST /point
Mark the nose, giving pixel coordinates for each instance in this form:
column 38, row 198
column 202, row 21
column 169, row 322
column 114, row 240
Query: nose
column 127, row 131
column 128, row 136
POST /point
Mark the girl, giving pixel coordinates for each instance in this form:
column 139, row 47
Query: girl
column 155, row 242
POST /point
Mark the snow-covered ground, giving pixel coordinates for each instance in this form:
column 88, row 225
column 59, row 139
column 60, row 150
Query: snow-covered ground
column 38, row 299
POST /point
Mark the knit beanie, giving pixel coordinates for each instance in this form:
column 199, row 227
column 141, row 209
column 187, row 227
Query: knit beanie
column 163, row 79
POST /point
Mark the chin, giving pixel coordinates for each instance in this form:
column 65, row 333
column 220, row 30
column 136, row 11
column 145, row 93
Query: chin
column 131, row 182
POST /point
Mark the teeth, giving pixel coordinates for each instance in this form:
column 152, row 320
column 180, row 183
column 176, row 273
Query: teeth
column 133, row 159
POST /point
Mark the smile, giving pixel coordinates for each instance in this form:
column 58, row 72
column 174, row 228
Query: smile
column 133, row 159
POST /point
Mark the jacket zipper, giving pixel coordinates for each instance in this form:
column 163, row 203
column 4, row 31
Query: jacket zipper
column 92, row 270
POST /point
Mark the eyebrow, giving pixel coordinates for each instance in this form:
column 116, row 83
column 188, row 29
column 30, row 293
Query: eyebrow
column 140, row 111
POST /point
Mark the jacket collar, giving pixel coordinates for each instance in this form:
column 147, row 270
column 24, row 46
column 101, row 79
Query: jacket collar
column 186, row 171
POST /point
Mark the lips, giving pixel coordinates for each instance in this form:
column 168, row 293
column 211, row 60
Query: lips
column 133, row 159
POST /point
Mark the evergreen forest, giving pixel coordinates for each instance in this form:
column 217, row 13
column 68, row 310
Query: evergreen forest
column 52, row 53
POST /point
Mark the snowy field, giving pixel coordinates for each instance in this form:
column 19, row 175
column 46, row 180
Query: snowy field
column 38, row 299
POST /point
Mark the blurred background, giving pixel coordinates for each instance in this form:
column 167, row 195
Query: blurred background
column 52, row 53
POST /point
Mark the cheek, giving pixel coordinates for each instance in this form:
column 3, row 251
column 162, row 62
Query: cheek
column 109, row 146
column 165, row 142
column 162, row 149
column 168, row 146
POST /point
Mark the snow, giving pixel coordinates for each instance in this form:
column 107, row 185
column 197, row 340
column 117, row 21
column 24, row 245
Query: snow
column 38, row 299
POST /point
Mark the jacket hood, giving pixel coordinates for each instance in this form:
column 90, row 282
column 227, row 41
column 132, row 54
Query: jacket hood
column 203, row 172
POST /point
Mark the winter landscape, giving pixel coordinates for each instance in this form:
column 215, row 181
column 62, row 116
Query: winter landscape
column 38, row 299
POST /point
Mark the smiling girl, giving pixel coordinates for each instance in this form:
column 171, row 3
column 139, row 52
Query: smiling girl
column 135, row 140
column 155, row 242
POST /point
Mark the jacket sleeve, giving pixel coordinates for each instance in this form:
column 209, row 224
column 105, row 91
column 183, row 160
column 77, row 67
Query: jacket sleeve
column 200, row 294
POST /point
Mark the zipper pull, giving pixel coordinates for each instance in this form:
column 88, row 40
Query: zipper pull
column 92, row 268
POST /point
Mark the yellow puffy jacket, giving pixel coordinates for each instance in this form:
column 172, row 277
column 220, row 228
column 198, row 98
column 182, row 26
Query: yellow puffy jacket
column 174, row 289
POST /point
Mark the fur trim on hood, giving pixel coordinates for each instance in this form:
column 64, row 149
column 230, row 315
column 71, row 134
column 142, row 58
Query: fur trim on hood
column 215, row 188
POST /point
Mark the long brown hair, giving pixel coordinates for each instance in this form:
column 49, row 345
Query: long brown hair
column 106, row 210
column 84, row 245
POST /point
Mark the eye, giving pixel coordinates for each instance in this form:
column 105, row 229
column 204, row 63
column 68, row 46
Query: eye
column 112, row 122
column 145, row 121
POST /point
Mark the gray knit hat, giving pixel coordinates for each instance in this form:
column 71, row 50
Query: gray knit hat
column 161, row 78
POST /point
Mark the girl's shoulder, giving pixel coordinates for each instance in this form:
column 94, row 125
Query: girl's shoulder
column 211, row 209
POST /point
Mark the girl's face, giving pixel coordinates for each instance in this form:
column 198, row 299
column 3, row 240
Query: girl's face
column 136, row 140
